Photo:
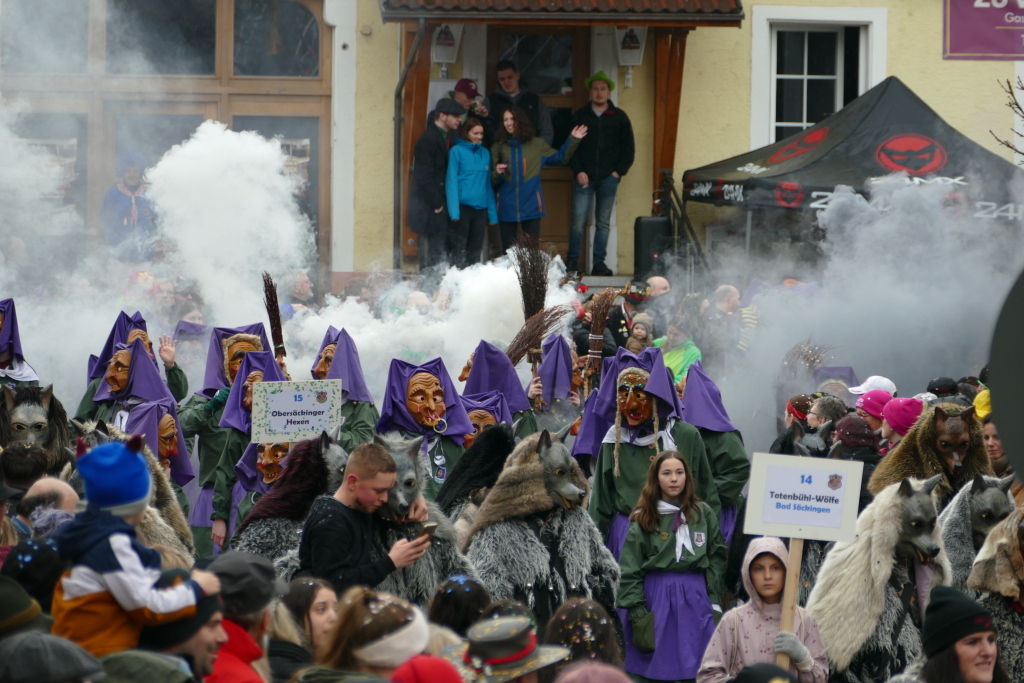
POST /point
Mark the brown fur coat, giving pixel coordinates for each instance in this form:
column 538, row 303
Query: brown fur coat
column 917, row 456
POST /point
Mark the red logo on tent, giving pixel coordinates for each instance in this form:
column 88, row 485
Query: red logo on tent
column 911, row 153
column 803, row 144
column 789, row 194
column 954, row 204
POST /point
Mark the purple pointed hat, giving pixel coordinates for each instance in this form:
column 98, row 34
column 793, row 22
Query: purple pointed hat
column 599, row 414
column 143, row 377
column 10, row 338
column 118, row 335
column 235, row 415
column 186, row 331
column 702, row 402
column 555, row 369
column 145, row 419
column 345, row 366
column 394, row 414
column 492, row 401
column 248, row 476
column 493, row 371
column 214, row 378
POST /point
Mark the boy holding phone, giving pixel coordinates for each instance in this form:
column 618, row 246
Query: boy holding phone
column 336, row 537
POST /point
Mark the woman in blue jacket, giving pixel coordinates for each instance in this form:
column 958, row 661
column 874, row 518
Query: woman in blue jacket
column 517, row 157
column 470, row 197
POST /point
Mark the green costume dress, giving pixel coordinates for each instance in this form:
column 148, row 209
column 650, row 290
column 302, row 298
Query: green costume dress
column 730, row 465
column 196, row 421
column 615, row 495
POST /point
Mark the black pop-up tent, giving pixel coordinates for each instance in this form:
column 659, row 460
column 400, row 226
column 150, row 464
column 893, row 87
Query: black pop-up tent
column 886, row 130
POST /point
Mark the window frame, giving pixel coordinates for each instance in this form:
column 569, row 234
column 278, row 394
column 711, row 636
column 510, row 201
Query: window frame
column 838, row 77
column 873, row 22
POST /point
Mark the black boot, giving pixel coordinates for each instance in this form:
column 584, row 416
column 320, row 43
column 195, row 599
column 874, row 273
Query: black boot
column 601, row 270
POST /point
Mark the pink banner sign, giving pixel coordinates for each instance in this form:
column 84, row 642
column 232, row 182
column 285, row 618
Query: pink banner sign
column 983, row 29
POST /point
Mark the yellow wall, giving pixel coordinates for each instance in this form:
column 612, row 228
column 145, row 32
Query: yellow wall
column 378, row 71
column 714, row 121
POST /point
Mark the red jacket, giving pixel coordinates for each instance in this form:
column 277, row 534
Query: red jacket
column 234, row 660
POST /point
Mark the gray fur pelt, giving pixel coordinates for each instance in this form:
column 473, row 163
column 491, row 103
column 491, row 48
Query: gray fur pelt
column 854, row 604
column 957, row 539
column 911, row 675
column 273, row 538
column 1009, row 633
column 510, row 558
column 814, row 555
column 418, row 582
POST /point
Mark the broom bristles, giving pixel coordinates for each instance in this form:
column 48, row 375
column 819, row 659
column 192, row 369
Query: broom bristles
column 598, row 321
column 534, row 330
column 531, row 265
column 274, row 313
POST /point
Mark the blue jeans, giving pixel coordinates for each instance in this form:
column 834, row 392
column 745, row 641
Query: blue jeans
column 581, row 199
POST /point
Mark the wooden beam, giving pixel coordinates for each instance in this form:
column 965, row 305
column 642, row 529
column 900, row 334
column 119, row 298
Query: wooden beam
column 415, row 107
column 662, row 48
column 670, row 54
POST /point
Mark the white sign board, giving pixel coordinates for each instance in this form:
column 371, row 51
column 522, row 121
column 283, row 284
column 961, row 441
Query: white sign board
column 797, row 497
column 295, row 411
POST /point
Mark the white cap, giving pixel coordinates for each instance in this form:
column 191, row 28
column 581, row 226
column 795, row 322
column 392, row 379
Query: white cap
column 875, row 382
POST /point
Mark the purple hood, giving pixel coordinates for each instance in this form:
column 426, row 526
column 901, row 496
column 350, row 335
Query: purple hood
column 235, row 415
column 143, row 377
column 702, row 402
column 394, row 414
column 345, row 366
column 493, row 371
column 145, row 419
column 214, row 378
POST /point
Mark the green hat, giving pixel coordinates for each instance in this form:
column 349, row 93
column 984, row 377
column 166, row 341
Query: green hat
column 502, row 650
column 600, row 76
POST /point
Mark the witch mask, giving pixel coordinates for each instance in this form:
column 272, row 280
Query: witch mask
column 235, row 347
column 481, row 420
column 168, row 441
column 323, row 364
column 268, row 463
column 424, row 399
column 635, row 403
column 250, row 381
column 117, row 371
column 141, row 334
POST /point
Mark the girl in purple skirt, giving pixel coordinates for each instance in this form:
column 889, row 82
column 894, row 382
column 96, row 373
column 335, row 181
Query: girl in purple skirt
column 673, row 568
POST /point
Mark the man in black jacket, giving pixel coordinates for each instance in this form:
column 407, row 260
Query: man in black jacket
column 601, row 160
column 337, row 536
column 512, row 92
column 428, row 209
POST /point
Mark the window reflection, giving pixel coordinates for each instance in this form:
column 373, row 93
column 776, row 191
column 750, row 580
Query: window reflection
column 545, row 61
column 165, row 37
column 44, row 36
column 276, row 38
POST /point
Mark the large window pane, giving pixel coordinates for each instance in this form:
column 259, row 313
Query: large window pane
column 783, row 132
column 790, row 58
column 165, row 37
column 789, row 100
column 821, row 99
column 545, row 61
column 821, row 53
column 276, row 38
column 153, row 134
column 63, row 140
column 44, row 36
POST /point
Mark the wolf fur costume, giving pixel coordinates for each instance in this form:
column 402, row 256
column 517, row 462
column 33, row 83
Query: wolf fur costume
column 975, row 510
column 867, row 623
column 163, row 522
column 28, row 405
column 526, row 547
column 917, row 455
column 274, row 526
column 418, row 582
column 999, row 574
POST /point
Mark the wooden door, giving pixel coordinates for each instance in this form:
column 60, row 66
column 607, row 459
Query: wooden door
column 553, row 63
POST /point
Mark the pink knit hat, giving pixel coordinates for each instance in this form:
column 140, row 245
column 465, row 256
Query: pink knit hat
column 902, row 413
column 873, row 402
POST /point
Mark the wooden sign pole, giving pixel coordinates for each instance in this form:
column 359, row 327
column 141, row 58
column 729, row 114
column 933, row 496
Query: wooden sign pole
column 789, row 593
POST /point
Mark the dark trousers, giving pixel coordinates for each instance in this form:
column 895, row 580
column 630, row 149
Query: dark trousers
column 466, row 236
column 509, row 231
column 432, row 244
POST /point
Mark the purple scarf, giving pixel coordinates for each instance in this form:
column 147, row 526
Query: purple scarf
column 118, row 335
column 493, row 371
column 235, row 415
column 394, row 414
column 555, row 370
column 145, row 419
column 492, row 401
column 248, row 476
column 214, row 378
column 143, row 378
column 345, row 366
column 702, row 402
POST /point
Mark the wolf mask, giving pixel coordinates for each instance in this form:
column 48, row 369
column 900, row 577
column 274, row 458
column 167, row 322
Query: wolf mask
column 973, row 512
column 409, row 476
column 32, row 415
column 917, row 522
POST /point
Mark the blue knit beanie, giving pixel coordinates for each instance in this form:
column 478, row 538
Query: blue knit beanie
column 117, row 477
